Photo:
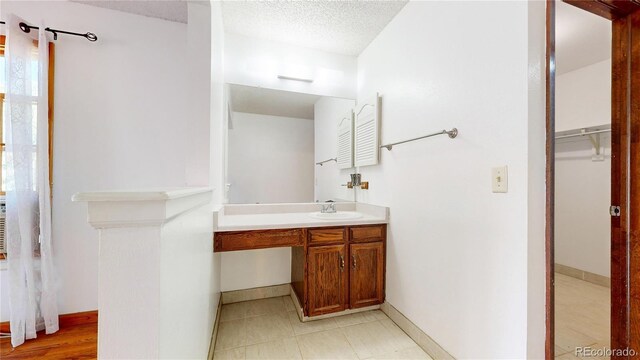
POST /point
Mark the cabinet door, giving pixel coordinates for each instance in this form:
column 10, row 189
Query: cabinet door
column 327, row 266
column 367, row 274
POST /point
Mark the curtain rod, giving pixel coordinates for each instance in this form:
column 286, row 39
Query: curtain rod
column 27, row 29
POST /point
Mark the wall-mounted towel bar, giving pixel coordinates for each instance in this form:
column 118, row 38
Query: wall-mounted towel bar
column 326, row 161
column 452, row 134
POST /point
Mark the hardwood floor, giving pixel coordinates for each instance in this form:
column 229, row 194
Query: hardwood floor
column 79, row 341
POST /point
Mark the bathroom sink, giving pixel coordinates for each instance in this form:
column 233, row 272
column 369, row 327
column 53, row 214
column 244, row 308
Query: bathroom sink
column 340, row 215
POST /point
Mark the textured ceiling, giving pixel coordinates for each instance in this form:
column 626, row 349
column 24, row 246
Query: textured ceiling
column 263, row 101
column 172, row 10
column 347, row 27
column 582, row 38
column 342, row 27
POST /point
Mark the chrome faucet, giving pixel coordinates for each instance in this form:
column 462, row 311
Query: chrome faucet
column 328, row 208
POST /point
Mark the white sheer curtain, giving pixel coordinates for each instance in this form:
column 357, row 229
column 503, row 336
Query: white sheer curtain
column 31, row 286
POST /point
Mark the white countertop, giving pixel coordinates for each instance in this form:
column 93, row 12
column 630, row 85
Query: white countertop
column 286, row 216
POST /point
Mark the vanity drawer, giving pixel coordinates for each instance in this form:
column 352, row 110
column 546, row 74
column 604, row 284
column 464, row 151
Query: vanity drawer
column 327, row 236
column 257, row 239
column 367, row 233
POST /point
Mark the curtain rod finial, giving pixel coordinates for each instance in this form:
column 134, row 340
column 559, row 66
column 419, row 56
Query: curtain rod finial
column 24, row 27
column 91, row 36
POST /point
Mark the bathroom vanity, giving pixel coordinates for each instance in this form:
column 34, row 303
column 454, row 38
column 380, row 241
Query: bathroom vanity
column 336, row 264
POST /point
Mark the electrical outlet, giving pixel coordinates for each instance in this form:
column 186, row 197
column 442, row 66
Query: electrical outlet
column 499, row 181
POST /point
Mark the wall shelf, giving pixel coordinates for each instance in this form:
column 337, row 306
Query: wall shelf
column 592, row 133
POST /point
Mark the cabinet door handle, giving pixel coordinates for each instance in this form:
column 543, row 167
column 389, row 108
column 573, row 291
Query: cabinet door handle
column 354, row 261
column 341, row 263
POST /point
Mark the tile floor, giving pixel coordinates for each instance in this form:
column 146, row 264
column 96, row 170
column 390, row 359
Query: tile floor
column 270, row 329
column 582, row 316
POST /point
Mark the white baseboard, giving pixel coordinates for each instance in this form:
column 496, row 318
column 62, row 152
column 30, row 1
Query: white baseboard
column 214, row 334
column 423, row 340
column 229, row 297
column 583, row 275
column 296, row 303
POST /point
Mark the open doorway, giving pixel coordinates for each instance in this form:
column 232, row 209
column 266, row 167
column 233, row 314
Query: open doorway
column 624, row 209
column 582, row 182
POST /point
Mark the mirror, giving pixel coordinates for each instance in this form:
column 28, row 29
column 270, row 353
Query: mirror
column 287, row 147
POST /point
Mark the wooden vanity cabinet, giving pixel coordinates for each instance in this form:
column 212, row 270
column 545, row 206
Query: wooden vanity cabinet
column 332, row 268
column 345, row 269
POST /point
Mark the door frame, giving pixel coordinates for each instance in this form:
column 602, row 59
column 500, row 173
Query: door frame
column 625, row 169
column 550, row 96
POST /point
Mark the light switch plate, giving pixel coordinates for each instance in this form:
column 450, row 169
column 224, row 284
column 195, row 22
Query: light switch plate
column 499, row 179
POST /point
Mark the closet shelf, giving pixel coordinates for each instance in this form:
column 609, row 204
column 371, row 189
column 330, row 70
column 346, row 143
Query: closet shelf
column 593, row 134
column 584, row 131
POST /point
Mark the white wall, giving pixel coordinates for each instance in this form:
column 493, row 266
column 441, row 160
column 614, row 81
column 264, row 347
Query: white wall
column 536, row 182
column 217, row 147
column 218, row 104
column 464, row 264
column 270, row 159
column 583, row 97
column 583, row 196
column 256, row 62
column 255, row 268
column 199, row 94
column 583, row 186
column 112, row 127
column 188, row 297
column 328, row 177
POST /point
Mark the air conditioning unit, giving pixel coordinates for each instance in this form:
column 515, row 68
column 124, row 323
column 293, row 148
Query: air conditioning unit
column 3, row 216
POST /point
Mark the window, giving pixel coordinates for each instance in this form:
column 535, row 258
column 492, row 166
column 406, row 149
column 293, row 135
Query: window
column 3, row 110
column 3, row 164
